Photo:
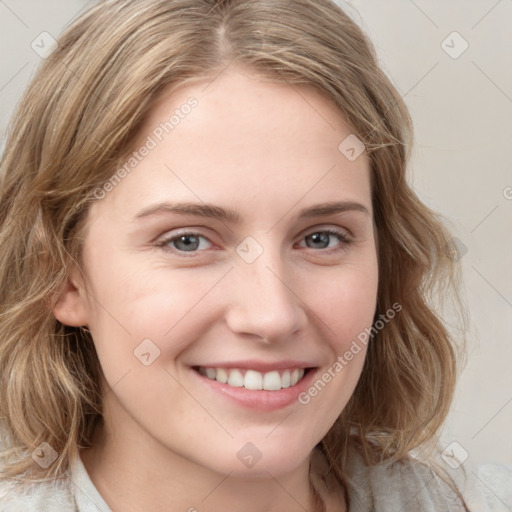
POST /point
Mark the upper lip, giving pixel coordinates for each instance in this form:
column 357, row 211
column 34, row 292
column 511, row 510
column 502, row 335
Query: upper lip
column 260, row 366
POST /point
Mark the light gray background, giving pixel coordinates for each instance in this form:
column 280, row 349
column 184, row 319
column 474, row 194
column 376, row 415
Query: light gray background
column 462, row 110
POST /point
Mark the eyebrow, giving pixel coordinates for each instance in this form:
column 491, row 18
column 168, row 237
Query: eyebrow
column 229, row 215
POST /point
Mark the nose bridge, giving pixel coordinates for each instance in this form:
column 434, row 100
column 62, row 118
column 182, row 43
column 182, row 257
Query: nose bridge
column 263, row 301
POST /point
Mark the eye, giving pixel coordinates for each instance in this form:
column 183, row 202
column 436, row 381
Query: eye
column 321, row 239
column 184, row 242
column 191, row 242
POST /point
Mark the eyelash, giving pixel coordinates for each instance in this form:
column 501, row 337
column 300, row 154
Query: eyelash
column 343, row 238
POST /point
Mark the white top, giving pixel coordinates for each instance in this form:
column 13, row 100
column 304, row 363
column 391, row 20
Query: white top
column 407, row 486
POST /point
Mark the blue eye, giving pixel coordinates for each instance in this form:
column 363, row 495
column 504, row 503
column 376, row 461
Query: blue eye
column 190, row 242
column 185, row 242
column 322, row 237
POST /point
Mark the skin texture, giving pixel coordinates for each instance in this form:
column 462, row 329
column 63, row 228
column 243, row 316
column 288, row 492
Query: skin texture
column 266, row 150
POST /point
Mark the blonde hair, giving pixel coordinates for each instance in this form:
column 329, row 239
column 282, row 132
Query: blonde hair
column 74, row 125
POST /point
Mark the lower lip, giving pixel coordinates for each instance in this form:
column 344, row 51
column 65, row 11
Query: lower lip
column 259, row 400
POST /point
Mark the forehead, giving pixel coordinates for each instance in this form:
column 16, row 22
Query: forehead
column 241, row 110
column 246, row 141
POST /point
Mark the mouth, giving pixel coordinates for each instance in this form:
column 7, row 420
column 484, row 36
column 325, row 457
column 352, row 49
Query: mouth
column 254, row 384
column 254, row 380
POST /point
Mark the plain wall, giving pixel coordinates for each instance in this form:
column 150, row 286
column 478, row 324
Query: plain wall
column 461, row 106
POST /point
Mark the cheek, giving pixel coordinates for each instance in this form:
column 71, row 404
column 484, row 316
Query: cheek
column 345, row 302
column 132, row 303
column 176, row 309
column 172, row 307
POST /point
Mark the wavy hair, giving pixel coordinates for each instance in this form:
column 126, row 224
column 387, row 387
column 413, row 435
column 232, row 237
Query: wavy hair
column 76, row 122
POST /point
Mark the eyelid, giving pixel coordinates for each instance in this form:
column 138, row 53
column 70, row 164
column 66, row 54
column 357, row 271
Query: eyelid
column 345, row 239
column 169, row 237
column 330, row 228
column 344, row 236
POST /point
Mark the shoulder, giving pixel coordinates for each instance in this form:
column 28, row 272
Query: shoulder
column 49, row 496
column 73, row 492
column 412, row 485
column 408, row 485
column 488, row 488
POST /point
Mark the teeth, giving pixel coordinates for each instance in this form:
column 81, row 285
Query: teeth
column 253, row 380
column 285, row 379
column 270, row 381
column 221, row 375
column 236, row 379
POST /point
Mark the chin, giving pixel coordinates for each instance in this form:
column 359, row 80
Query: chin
column 260, row 457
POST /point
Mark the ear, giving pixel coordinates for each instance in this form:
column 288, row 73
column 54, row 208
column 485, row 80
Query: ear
column 71, row 307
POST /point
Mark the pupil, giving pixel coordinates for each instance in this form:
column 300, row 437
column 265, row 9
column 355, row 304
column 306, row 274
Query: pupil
column 188, row 246
column 321, row 237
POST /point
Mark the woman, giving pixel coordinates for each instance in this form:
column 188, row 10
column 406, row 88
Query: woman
column 215, row 279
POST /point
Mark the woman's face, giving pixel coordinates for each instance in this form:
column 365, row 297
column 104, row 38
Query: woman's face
column 214, row 256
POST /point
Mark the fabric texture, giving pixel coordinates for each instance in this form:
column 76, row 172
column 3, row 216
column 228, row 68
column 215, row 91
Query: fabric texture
column 407, row 486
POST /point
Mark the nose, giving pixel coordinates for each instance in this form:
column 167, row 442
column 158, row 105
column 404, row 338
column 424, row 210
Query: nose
column 263, row 302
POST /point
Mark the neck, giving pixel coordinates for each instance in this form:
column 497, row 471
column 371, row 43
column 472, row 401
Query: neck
column 149, row 477
column 134, row 482
column 134, row 472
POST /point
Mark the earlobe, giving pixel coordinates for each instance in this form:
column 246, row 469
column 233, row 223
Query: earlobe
column 70, row 308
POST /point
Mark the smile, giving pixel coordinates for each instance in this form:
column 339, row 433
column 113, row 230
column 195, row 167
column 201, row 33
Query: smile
column 253, row 379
